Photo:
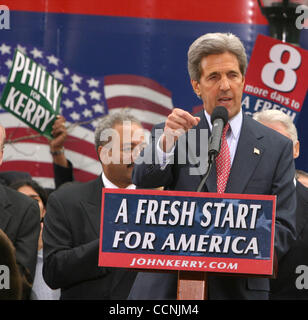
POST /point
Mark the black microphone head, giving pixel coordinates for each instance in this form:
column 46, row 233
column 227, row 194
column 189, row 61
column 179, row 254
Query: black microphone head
column 220, row 112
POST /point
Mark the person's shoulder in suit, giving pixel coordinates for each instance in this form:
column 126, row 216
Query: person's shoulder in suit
column 269, row 134
column 302, row 190
column 69, row 199
column 75, row 187
column 15, row 199
column 22, row 228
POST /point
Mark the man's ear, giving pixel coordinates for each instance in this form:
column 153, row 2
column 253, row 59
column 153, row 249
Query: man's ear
column 196, row 87
column 102, row 153
column 99, row 149
column 296, row 150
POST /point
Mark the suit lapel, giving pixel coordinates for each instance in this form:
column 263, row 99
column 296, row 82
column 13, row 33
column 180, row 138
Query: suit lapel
column 5, row 215
column 92, row 205
column 248, row 154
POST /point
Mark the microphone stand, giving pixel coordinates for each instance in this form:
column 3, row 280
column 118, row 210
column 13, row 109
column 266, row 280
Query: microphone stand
column 212, row 157
column 220, row 116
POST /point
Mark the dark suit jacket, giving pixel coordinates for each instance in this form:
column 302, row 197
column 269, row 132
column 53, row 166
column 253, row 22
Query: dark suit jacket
column 284, row 286
column 71, row 245
column 20, row 220
column 63, row 174
column 269, row 172
column 9, row 177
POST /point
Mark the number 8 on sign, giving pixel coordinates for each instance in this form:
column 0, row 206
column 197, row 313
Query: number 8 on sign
column 270, row 69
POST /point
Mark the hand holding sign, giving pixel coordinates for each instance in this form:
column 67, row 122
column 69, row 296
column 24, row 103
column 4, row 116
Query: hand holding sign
column 32, row 94
column 59, row 133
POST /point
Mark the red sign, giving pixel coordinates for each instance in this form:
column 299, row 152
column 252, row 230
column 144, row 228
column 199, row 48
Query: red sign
column 276, row 77
column 195, row 231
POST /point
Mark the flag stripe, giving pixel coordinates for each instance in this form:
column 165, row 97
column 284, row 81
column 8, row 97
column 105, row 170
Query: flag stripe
column 137, row 103
column 79, row 139
column 116, row 90
column 76, row 131
column 40, row 153
column 72, row 143
column 137, row 81
column 45, row 182
column 150, row 102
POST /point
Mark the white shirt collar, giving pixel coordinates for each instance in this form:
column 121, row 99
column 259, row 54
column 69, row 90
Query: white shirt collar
column 235, row 123
column 108, row 184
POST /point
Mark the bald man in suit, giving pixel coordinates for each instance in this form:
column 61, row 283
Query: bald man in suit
column 72, row 221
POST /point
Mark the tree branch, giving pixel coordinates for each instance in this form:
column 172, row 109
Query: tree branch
column 37, row 136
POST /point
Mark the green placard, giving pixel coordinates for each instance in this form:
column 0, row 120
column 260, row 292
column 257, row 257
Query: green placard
column 32, row 94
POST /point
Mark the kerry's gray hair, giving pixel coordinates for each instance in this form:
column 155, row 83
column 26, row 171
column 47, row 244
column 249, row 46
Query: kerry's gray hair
column 214, row 43
column 109, row 121
column 272, row 116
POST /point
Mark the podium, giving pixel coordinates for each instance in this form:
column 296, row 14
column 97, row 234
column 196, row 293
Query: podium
column 192, row 285
column 191, row 233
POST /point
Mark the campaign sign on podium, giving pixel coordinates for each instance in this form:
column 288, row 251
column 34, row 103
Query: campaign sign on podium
column 191, row 231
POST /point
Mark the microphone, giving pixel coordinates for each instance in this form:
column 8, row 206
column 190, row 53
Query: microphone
column 219, row 118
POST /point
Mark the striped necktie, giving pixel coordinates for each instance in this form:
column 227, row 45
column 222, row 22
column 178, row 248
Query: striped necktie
column 223, row 162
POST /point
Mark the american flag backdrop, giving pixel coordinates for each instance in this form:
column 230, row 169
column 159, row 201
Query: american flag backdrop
column 84, row 101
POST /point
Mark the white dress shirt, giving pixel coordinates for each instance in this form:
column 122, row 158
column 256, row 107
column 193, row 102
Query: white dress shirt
column 108, row 184
column 40, row 290
column 233, row 135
